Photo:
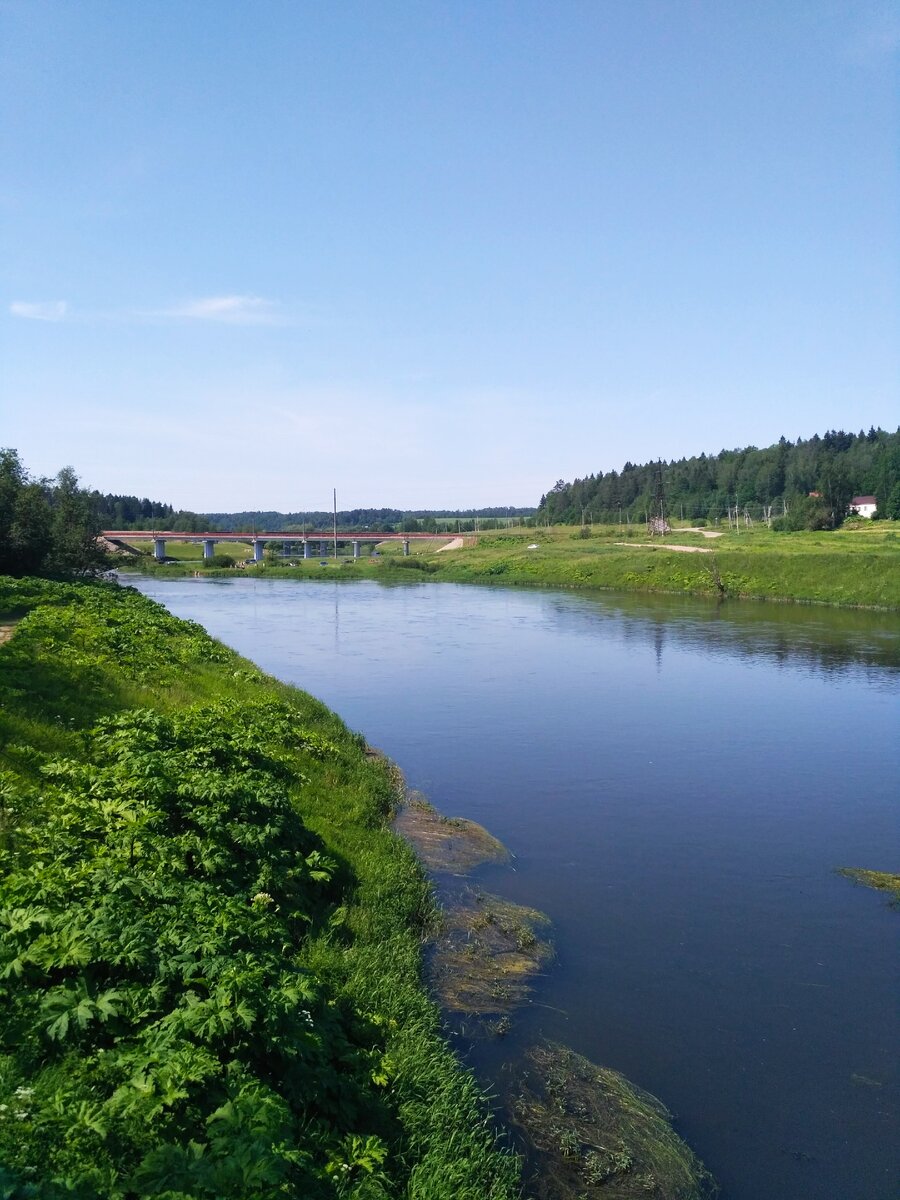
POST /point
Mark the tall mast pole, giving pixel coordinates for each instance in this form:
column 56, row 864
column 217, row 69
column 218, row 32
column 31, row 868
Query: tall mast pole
column 335, row 521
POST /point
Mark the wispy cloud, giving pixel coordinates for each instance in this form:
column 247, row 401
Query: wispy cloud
column 222, row 310
column 39, row 310
column 229, row 310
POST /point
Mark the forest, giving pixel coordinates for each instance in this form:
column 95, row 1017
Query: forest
column 383, row 520
column 807, row 484
column 47, row 526
column 132, row 512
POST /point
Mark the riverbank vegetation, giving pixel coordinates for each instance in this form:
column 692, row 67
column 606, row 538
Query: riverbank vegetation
column 209, row 937
column 859, row 566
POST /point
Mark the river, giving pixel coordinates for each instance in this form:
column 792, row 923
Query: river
column 677, row 781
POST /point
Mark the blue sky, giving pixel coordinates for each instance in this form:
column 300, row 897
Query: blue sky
column 439, row 254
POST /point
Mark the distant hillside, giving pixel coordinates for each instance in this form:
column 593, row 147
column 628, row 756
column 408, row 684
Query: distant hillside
column 384, row 519
column 834, row 468
column 132, row 512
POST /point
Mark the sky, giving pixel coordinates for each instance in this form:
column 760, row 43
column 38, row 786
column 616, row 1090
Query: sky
column 439, row 254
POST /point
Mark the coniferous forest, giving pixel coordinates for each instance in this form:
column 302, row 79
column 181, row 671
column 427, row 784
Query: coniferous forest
column 808, row 483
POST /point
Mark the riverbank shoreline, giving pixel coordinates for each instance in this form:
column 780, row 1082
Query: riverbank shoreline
column 844, row 569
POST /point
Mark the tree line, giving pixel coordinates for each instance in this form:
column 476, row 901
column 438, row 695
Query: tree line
column 131, row 512
column 136, row 513
column 804, row 484
column 47, row 526
column 377, row 520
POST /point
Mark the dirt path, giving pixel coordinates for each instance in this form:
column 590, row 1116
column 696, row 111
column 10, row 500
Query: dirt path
column 454, row 544
column 6, row 632
column 667, row 546
column 713, row 533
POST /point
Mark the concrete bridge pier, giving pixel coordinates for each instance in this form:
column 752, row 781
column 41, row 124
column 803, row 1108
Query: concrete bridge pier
column 305, row 548
column 406, row 547
column 257, row 550
column 159, row 549
column 356, row 549
column 209, row 547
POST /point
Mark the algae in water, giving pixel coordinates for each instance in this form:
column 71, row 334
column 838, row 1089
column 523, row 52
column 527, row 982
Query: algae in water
column 486, row 954
column 591, row 1133
column 882, row 881
column 450, row 844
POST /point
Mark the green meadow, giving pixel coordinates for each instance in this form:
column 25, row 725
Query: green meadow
column 193, row 551
column 857, row 566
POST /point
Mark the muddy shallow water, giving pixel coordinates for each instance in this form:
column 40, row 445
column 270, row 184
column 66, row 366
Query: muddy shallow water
column 677, row 783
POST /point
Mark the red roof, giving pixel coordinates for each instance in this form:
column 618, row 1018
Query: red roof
column 862, row 500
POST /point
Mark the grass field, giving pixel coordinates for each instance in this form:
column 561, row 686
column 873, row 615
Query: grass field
column 193, row 551
column 853, row 566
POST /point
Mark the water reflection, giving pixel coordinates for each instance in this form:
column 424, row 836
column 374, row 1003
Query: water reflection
column 826, row 639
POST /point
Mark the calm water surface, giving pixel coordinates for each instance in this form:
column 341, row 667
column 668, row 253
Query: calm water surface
column 677, row 782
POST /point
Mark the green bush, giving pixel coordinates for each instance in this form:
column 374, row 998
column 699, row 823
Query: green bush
column 415, row 564
column 809, row 512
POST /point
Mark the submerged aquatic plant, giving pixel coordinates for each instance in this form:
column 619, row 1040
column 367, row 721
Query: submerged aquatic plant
column 590, row 1132
column 446, row 844
column 487, row 953
column 882, row 881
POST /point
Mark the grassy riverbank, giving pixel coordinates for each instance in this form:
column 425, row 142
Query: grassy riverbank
column 857, row 566
column 210, row 937
column 847, row 567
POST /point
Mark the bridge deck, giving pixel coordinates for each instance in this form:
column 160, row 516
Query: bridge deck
column 352, row 535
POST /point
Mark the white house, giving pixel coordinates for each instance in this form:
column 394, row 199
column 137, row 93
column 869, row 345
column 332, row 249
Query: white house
column 863, row 506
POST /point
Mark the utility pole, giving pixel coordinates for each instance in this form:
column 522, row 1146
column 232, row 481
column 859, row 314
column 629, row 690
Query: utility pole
column 334, row 493
column 658, row 518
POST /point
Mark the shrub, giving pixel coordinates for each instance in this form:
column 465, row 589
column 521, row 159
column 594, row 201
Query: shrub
column 416, row 564
column 806, row 513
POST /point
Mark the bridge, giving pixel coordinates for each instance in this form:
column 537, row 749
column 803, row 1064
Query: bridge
column 258, row 540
